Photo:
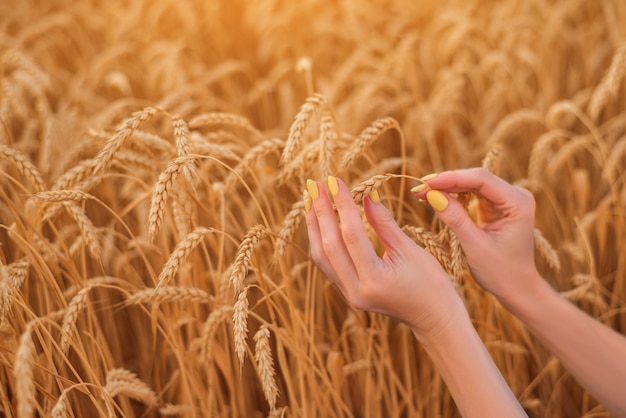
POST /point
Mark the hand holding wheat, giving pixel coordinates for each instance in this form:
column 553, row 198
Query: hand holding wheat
column 406, row 282
column 498, row 246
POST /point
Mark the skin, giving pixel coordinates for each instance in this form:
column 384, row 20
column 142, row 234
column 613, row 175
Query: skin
column 408, row 284
column 501, row 241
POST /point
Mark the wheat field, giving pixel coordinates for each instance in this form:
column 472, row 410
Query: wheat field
column 153, row 157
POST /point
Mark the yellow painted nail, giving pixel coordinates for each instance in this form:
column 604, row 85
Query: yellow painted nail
column 307, row 201
column 311, row 186
column 429, row 176
column 375, row 196
column 437, row 200
column 419, row 188
column 333, row 185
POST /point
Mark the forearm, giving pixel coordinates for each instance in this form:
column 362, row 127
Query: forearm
column 595, row 355
column 478, row 388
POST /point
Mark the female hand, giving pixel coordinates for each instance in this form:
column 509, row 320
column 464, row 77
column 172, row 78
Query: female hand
column 499, row 245
column 406, row 283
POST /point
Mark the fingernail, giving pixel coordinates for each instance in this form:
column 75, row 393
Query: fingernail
column 375, row 196
column 437, row 200
column 333, row 185
column 307, row 201
column 311, row 186
column 429, row 176
column 419, row 188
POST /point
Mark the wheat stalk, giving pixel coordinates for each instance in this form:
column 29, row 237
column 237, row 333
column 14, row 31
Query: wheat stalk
column 23, row 372
column 209, row 328
column 265, row 365
column 366, row 138
column 124, row 382
column 260, row 150
column 240, row 324
column 244, row 255
column 162, row 189
column 169, row 294
column 24, row 166
column 180, row 254
column 86, row 227
column 78, row 302
column 609, row 85
column 296, row 131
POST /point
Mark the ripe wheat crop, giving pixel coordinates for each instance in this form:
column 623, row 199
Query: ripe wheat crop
column 153, row 156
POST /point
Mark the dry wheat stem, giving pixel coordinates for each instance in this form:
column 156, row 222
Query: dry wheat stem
column 262, row 149
column 265, row 365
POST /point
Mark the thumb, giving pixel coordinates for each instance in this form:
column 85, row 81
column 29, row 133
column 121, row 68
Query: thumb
column 454, row 215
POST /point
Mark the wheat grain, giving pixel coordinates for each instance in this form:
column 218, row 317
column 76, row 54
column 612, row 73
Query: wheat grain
column 169, row 294
column 124, row 382
column 609, row 85
column 289, row 226
column 366, row 138
column 365, row 188
column 163, row 186
column 63, row 195
column 492, row 158
column 244, row 255
column 24, row 166
column 260, row 150
column 328, row 139
column 106, row 156
column 546, row 250
column 23, row 372
column 265, row 365
column 61, row 407
column 180, row 254
column 431, row 243
column 209, row 328
column 227, row 119
column 240, row 325
column 86, row 227
column 11, row 279
column 301, row 122
column 77, row 304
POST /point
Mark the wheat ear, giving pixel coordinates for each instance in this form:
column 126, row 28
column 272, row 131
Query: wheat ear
column 240, row 324
column 265, row 365
column 244, row 255
column 289, row 226
column 162, row 189
column 367, row 137
column 609, row 85
column 169, row 294
column 124, row 382
column 180, row 254
column 23, row 372
column 296, row 131
column 546, row 250
column 24, row 166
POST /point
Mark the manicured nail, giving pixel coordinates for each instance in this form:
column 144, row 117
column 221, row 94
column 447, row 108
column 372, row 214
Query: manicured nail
column 333, row 185
column 437, row 200
column 375, row 196
column 307, row 201
column 419, row 188
column 429, row 176
column 311, row 186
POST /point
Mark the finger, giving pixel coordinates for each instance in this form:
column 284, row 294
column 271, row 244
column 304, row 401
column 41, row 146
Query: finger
column 352, row 230
column 476, row 180
column 328, row 248
column 383, row 223
column 454, row 215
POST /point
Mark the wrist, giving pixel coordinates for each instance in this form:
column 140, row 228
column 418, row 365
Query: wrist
column 454, row 319
column 522, row 300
